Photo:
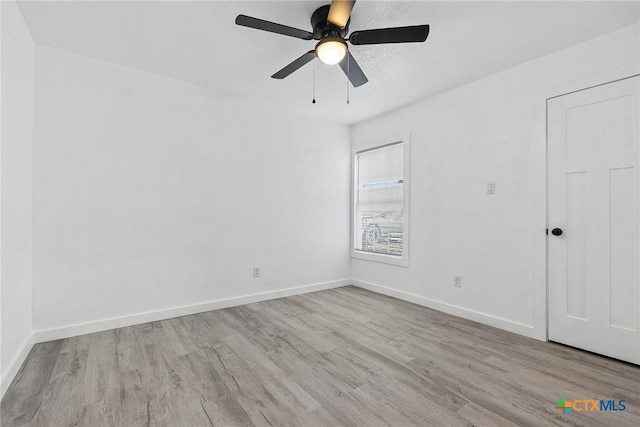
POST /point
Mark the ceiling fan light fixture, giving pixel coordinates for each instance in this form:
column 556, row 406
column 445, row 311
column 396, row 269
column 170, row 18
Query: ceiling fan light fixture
column 331, row 50
column 330, row 25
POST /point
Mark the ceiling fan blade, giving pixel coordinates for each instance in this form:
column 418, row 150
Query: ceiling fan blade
column 416, row 33
column 339, row 12
column 353, row 70
column 261, row 24
column 298, row 63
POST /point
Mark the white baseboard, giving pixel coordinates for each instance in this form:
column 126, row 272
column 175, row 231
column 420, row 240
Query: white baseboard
column 16, row 363
column 484, row 318
column 152, row 316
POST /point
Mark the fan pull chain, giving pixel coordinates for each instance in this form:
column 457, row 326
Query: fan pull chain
column 348, row 76
column 314, row 81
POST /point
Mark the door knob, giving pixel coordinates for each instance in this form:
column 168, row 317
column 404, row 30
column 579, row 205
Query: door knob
column 557, row 231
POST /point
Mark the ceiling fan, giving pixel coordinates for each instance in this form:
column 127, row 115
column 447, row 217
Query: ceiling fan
column 330, row 25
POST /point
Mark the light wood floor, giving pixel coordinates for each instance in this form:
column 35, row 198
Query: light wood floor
column 340, row 357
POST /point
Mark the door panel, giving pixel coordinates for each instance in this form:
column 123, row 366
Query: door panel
column 576, row 184
column 621, row 223
column 600, row 126
column 594, row 188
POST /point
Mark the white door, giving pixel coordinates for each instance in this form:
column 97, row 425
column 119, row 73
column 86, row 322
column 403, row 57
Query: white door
column 594, row 188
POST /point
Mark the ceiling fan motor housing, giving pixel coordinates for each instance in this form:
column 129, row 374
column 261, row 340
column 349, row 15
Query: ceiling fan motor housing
column 322, row 29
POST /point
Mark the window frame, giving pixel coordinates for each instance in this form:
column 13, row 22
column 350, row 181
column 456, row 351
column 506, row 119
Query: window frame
column 401, row 261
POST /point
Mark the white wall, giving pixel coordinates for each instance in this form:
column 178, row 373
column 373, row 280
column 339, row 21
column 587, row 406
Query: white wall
column 489, row 130
column 15, row 176
column 150, row 194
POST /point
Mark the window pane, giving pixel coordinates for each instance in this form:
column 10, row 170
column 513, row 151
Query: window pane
column 379, row 201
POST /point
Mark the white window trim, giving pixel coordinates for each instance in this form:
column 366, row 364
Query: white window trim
column 402, row 261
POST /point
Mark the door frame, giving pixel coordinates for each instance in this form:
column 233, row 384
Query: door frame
column 609, row 77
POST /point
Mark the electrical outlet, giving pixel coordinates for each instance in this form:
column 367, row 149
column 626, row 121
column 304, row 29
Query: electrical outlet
column 491, row 187
column 457, row 281
column 256, row 272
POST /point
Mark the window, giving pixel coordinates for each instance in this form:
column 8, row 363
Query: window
column 380, row 208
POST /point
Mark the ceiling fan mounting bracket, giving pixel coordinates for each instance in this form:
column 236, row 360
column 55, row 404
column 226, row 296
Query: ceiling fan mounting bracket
column 322, row 28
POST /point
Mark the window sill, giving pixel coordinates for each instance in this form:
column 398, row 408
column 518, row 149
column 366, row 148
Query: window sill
column 381, row 258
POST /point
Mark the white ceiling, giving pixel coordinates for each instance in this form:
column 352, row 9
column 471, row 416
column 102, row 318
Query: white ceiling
column 198, row 42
